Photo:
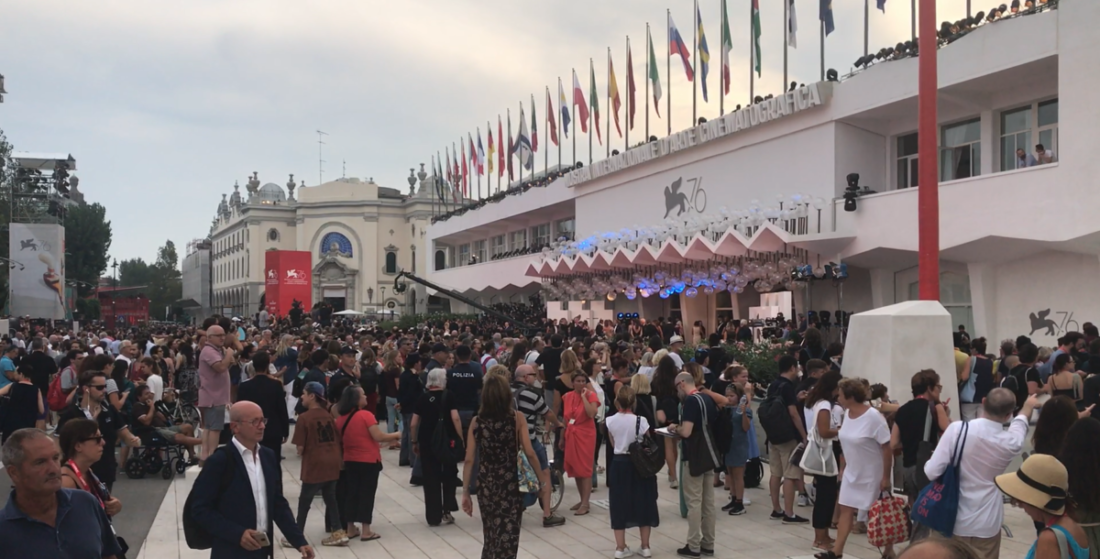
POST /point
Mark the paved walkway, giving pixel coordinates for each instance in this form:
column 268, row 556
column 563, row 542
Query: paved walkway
column 399, row 518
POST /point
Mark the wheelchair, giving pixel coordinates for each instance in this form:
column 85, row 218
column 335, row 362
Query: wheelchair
column 156, row 454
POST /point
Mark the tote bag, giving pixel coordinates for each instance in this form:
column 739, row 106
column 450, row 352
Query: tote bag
column 938, row 503
column 818, row 458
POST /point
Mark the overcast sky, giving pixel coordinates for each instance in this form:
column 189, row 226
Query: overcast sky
column 165, row 105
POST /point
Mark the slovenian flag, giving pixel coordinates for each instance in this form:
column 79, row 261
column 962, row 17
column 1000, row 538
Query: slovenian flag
column 676, row 46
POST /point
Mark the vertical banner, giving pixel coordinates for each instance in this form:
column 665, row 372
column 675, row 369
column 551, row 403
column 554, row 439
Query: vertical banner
column 38, row 279
column 288, row 278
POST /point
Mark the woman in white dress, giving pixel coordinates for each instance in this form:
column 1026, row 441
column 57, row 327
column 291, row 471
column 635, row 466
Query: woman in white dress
column 865, row 440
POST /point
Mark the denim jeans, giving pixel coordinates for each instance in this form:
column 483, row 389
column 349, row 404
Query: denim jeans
column 391, row 414
column 332, row 508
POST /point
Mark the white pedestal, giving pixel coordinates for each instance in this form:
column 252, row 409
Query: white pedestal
column 890, row 344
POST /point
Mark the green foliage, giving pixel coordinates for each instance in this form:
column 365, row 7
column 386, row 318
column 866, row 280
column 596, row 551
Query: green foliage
column 87, row 240
column 87, row 309
column 163, row 281
column 760, row 359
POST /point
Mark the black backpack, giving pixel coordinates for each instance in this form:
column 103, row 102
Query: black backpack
column 723, row 431
column 775, row 418
column 368, row 379
column 447, row 449
column 196, row 536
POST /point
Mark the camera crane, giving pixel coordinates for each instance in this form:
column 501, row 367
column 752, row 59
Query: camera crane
column 400, row 287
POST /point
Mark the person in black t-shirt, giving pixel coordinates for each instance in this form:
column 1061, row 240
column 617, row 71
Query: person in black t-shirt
column 464, row 382
column 439, row 479
column 909, row 422
column 1024, row 379
column 696, row 425
column 112, row 425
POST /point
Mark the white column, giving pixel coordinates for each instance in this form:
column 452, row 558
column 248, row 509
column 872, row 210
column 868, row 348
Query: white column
column 983, row 297
column 990, row 143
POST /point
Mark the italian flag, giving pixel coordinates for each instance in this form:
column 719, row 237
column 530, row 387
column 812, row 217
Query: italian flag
column 756, row 33
column 594, row 99
column 655, row 78
column 727, row 47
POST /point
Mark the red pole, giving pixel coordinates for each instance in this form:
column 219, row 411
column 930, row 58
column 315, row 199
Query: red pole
column 928, row 213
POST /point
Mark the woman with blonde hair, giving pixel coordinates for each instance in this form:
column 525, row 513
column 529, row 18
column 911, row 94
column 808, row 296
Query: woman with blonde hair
column 645, row 404
column 645, row 366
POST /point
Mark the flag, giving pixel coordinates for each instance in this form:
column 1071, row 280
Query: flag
column 465, row 171
column 450, row 175
column 613, row 91
column 510, row 148
column 578, row 102
column 522, row 145
column 500, row 150
column 655, row 79
column 550, row 117
column 756, row 34
column 534, row 127
column 727, row 47
column 480, row 154
column 882, row 5
column 594, row 97
column 564, row 109
column 475, row 161
column 676, row 46
column 704, row 52
column 630, row 88
column 792, row 25
column 491, row 150
column 827, row 16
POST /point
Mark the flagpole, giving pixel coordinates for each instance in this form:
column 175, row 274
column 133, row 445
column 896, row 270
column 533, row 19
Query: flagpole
column 609, row 109
column 866, row 26
column 668, row 65
column 591, row 112
column 573, row 161
column 786, row 38
column 560, row 123
column 695, row 65
column 913, row 17
column 546, row 152
column 722, row 59
column 629, row 72
column 509, row 149
column 822, row 22
column 648, row 49
column 752, row 58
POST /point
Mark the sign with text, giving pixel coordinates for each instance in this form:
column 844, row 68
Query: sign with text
column 38, row 274
column 287, row 278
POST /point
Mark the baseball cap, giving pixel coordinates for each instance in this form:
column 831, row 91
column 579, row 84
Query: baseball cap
column 348, row 350
column 438, row 348
column 315, row 388
column 675, row 340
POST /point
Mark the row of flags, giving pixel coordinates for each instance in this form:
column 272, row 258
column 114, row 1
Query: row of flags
column 466, row 165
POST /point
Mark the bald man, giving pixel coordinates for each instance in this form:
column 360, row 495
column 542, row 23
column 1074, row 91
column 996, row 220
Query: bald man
column 214, row 362
column 531, row 403
column 240, row 517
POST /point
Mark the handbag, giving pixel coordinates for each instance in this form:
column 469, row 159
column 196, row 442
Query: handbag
column 528, row 479
column 647, row 455
column 886, row 521
column 818, row 459
column 938, row 503
column 968, row 389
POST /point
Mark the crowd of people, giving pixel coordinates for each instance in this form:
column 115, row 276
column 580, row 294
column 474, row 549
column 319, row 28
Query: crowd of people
column 477, row 408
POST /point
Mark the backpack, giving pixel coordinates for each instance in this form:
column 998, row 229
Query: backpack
column 196, row 536
column 702, row 456
column 723, row 431
column 447, row 449
column 368, row 379
column 775, row 418
column 55, row 397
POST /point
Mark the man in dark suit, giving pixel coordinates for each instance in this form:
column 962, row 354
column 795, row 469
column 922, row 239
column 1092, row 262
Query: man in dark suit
column 241, row 519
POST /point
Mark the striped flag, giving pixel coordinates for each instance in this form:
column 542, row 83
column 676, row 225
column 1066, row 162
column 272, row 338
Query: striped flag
column 613, row 91
column 594, row 97
column 534, row 127
column 792, row 25
column 676, row 46
column 465, row 170
column 630, row 88
column 480, row 154
column 756, row 35
column 882, row 5
column 564, row 102
column 827, row 16
column 550, row 116
column 727, row 47
column 492, row 151
column 654, row 78
column 704, row 51
column 522, row 145
column 578, row 102
column 500, row 150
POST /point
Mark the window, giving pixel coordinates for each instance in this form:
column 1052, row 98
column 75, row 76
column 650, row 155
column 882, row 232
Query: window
column 1048, row 125
column 723, row 306
column 908, row 169
column 960, row 150
column 675, row 313
column 479, row 251
column 499, row 246
column 463, row 255
column 1015, row 135
column 414, row 259
column 391, row 262
column 440, row 260
column 566, row 228
column 519, row 239
column 273, row 235
column 954, row 296
column 542, row 235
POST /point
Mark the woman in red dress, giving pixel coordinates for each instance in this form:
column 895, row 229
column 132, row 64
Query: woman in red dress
column 579, row 443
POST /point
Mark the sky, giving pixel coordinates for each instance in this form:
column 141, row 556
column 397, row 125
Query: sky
column 166, row 105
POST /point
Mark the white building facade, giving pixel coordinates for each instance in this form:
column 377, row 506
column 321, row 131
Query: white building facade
column 765, row 186
column 359, row 235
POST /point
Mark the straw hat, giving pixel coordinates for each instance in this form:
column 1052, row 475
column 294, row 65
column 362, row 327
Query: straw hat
column 1041, row 482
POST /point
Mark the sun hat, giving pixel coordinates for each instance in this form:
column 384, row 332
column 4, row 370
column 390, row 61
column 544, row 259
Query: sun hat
column 1041, row 481
column 675, row 340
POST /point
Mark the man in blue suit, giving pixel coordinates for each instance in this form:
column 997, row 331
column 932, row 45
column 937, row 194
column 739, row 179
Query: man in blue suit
column 241, row 517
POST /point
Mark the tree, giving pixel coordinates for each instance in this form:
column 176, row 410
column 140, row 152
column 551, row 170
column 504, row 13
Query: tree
column 134, row 272
column 87, row 240
column 7, row 179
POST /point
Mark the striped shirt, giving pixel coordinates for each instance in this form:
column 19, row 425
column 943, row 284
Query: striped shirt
column 531, row 404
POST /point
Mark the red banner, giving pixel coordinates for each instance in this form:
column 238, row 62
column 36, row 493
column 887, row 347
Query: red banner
column 288, row 279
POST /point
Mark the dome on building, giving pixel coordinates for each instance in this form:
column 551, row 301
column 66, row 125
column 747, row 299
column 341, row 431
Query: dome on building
column 271, row 193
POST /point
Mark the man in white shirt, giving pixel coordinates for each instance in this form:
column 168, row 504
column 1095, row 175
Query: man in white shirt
column 536, row 349
column 675, row 346
column 986, row 453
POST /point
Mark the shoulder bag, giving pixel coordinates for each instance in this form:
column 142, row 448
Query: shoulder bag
column 702, row 456
column 647, row 455
column 528, row 479
column 818, row 458
column 446, row 448
column 968, row 389
column 938, row 503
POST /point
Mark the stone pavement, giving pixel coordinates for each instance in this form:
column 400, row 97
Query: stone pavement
column 399, row 518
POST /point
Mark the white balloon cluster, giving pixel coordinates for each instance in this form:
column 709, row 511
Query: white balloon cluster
column 733, row 275
column 682, row 229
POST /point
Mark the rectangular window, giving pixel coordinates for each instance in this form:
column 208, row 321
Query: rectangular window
column 1015, row 138
column 1048, row 127
column 479, row 251
column 463, row 255
column 542, row 235
column 907, row 161
column 519, row 240
column 961, row 150
column 566, row 228
column 499, row 246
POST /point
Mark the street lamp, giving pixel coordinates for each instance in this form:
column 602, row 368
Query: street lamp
column 382, row 301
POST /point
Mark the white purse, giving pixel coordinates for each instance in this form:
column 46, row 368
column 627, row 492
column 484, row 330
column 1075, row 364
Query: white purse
column 818, row 459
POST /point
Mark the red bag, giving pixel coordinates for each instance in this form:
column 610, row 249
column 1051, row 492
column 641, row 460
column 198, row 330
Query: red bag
column 887, row 521
column 55, row 397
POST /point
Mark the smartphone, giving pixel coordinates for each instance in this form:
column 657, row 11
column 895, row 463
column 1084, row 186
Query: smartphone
column 262, row 539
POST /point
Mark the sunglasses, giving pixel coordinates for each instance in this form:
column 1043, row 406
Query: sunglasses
column 256, row 422
column 97, row 386
column 97, row 439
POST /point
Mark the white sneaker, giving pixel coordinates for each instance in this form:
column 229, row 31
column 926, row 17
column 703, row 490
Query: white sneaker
column 804, row 501
column 645, row 552
column 622, row 553
column 674, row 484
column 746, row 501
